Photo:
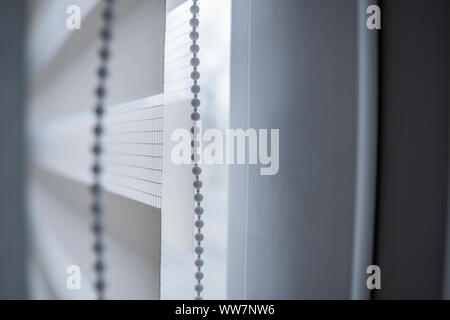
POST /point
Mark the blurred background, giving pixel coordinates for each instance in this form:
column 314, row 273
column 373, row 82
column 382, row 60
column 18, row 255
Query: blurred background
column 364, row 149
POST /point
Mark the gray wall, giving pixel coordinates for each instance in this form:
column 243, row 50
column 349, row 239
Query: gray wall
column 294, row 68
column 12, row 221
column 413, row 151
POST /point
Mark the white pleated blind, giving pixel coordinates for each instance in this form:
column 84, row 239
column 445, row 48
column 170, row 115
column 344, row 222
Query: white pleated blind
column 133, row 144
column 149, row 202
column 133, row 150
column 177, row 71
column 60, row 123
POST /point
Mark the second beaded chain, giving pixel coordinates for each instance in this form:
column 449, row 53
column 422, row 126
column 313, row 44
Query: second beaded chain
column 97, row 189
column 198, row 197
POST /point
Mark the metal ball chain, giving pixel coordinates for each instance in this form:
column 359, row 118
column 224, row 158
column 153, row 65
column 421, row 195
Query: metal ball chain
column 97, row 189
column 195, row 116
